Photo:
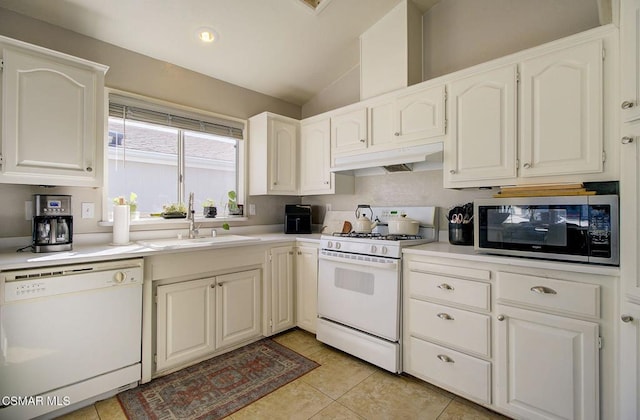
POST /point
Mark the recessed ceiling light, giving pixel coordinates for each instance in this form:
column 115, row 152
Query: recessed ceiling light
column 207, row 35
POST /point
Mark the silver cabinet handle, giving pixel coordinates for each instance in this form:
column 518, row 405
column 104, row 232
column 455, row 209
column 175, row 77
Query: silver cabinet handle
column 627, row 105
column 444, row 316
column 526, row 165
column 89, row 169
column 326, row 182
column 363, row 140
column 213, row 286
column 445, row 358
column 452, row 171
column 396, row 134
column 627, row 140
column 500, row 317
column 626, row 318
column 445, row 286
column 221, row 284
column 543, row 290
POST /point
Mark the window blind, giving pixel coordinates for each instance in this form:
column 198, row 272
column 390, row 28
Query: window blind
column 139, row 110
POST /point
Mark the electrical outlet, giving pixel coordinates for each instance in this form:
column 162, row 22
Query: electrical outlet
column 88, row 210
column 327, row 207
column 252, row 209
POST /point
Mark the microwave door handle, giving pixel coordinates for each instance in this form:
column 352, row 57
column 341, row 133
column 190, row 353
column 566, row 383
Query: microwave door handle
column 392, row 265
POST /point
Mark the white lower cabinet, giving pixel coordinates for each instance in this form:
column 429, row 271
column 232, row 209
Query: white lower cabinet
column 281, row 291
column 629, row 359
column 546, row 365
column 306, row 268
column 197, row 317
column 530, row 342
column 445, row 342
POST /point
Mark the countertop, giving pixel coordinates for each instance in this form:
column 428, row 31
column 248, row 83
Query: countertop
column 460, row 252
column 102, row 251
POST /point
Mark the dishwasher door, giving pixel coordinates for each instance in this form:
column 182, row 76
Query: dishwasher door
column 63, row 325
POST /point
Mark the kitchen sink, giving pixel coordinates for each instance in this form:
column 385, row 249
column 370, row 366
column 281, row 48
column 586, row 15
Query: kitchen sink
column 176, row 243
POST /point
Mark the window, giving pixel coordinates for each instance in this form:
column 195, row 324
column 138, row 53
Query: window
column 162, row 154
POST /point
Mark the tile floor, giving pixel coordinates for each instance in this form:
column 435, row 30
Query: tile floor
column 342, row 387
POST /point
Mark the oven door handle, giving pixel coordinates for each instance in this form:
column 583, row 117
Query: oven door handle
column 391, row 265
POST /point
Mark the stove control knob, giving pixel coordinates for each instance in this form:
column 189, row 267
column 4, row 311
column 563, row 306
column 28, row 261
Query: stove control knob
column 337, row 245
column 374, row 249
column 384, row 250
column 329, row 244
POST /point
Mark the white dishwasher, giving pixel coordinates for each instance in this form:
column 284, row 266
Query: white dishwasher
column 68, row 334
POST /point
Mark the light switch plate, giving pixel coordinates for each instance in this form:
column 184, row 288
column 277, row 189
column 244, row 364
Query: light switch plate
column 252, row 209
column 88, row 210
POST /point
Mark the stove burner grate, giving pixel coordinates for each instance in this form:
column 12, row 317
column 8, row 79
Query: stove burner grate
column 377, row 236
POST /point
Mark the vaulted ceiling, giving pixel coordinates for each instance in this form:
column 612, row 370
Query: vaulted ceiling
column 282, row 48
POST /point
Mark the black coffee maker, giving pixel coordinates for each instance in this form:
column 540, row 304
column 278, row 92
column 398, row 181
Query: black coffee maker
column 297, row 218
column 52, row 223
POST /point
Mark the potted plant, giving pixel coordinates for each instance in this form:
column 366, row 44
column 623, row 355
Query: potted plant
column 174, row 211
column 233, row 207
column 209, row 208
column 132, row 203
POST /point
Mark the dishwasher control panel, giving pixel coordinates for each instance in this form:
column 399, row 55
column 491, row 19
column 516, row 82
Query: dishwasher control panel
column 37, row 283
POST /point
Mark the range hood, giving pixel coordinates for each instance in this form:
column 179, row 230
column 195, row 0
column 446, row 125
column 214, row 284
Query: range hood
column 396, row 160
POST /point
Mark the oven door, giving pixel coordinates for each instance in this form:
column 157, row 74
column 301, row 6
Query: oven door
column 360, row 291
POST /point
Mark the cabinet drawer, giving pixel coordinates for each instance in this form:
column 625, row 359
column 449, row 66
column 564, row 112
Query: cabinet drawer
column 552, row 294
column 460, row 373
column 469, row 293
column 450, row 270
column 465, row 330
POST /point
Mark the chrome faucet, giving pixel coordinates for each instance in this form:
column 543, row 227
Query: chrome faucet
column 193, row 229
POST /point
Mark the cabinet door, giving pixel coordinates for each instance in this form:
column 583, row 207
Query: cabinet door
column 381, row 126
column 49, row 134
column 315, row 155
column 629, row 355
column 630, row 59
column 420, row 115
column 282, row 292
column 561, row 112
column 349, row 131
column 630, row 210
column 282, row 157
column 307, row 287
column 481, row 150
column 185, row 322
column 546, row 366
column 237, row 307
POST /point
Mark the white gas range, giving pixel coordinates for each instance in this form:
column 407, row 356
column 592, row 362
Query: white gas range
column 359, row 288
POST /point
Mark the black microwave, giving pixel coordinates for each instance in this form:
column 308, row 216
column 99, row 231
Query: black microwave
column 568, row 228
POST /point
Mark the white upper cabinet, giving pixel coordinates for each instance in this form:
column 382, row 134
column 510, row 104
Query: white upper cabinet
column 543, row 117
column 630, row 59
column 273, row 142
column 315, row 161
column 349, row 131
column 420, row 115
column 561, row 112
column 53, row 119
column 482, row 142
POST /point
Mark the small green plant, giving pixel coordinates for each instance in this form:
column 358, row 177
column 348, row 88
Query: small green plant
column 225, row 226
column 132, row 203
column 208, row 203
column 174, row 208
column 232, row 204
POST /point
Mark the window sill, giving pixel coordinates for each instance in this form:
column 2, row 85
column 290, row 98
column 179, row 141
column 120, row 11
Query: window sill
column 150, row 221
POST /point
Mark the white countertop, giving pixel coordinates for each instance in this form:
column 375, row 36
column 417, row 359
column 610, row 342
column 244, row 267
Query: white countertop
column 81, row 253
column 446, row 250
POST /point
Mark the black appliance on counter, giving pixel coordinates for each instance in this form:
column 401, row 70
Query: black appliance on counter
column 52, row 223
column 297, row 218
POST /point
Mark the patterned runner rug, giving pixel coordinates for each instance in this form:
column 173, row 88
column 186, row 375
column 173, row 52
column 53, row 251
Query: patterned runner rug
column 219, row 386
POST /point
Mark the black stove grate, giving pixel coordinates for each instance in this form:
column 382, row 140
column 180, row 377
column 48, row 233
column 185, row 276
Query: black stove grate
column 377, row 236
